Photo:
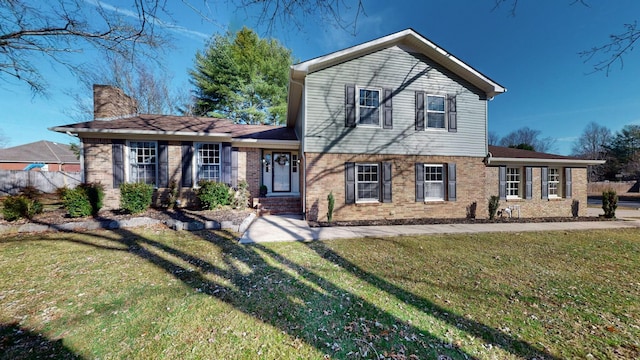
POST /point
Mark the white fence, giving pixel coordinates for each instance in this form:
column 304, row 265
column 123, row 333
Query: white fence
column 11, row 181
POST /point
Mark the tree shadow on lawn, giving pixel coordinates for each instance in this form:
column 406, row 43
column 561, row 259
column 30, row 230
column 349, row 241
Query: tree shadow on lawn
column 19, row 343
column 306, row 306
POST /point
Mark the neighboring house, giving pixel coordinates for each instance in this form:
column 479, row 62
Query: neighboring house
column 39, row 156
column 395, row 128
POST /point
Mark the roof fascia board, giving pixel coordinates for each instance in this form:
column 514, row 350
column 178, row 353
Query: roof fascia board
column 266, row 143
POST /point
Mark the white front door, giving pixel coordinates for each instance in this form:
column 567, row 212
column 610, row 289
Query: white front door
column 281, row 171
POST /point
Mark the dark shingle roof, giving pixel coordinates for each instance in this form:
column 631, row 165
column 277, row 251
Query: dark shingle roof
column 506, row 152
column 39, row 151
column 172, row 124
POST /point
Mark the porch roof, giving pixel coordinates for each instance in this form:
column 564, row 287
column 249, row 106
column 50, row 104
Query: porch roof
column 500, row 155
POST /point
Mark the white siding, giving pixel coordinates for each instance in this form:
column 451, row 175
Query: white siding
column 404, row 73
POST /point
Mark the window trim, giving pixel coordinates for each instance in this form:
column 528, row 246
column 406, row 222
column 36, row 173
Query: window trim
column 444, row 195
column 196, row 159
column 519, row 182
column 356, row 182
column 558, row 183
column 427, row 111
column 380, row 107
column 128, row 164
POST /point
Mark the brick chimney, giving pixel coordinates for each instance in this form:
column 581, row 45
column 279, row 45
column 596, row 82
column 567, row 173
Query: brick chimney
column 110, row 102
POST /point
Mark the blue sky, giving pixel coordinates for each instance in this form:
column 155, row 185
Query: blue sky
column 534, row 55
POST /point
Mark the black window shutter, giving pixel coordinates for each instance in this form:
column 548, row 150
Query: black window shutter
column 386, row 182
column 350, row 182
column 544, row 182
column 187, row 164
column 163, row 164
column 528, row 190
column 502, row 176
column 225, row 172
column 387, row 122
column 419, row 182
column 234, row 167
column 117, row 150
column 451, row 181
column 350, row 105
column 567, row 183
column 419, row 110
column 452, row 113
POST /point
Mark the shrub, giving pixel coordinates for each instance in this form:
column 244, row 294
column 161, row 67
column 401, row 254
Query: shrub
column 31, row 192
column 171, row 199
column 609, row 203
column 84, row 200
column 20, row 206
column 494, row 203
column 213, row 194
column 241, row 196
column 76, row 202
column 135, row 197
column 332, row 203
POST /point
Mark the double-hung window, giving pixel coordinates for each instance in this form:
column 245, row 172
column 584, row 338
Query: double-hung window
column 513, row 182
column 433, row 182
column 368, row 109
column 143, row 162
column 367, row 182
column 435, row 112
column 554, row 182
column 208, row 158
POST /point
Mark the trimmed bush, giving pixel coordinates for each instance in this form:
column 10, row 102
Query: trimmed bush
column 20, row 206
column 609, row 203
column 213, row 194
column 332, row 202
column 494, row 203
column 84, row 200
column 135, row 198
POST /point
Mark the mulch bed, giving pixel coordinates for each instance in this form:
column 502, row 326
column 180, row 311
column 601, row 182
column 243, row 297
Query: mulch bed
column 453, row 221
column 60, row 216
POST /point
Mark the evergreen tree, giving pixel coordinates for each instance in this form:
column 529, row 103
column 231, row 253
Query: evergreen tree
column 242, row 77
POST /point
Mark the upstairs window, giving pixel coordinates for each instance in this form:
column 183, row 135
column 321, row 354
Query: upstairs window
column 143, row 162
column 435, row 112
column 368, row 107
column 208, row 157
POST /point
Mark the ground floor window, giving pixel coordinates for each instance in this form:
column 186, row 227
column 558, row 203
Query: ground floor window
column 143, row 162
column 554, row 182
column 367, row 182
column 433, row 182
column 208, row 158
column 513, row 182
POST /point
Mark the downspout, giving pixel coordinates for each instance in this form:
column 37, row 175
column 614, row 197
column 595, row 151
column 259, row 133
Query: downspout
column 303, row 192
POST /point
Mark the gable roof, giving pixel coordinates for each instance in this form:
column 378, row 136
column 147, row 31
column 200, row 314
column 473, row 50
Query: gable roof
column 408, row 37
column 500, row 155
column 42, row 151
column 177, row 127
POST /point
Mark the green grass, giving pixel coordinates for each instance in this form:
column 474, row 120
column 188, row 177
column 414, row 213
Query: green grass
column 155, row 293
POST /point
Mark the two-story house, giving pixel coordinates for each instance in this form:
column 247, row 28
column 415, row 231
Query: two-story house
column 395, row 128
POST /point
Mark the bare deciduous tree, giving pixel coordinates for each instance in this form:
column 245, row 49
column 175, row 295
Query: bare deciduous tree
column 592, row 142
column 151, row 89
column 602, row 56
column 58, row 30
column 493, row 138
column 526, row 137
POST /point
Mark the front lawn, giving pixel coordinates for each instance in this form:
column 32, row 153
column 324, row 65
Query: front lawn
column 155, row 293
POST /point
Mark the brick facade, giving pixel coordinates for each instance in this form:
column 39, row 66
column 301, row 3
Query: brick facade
column 98, row 168
column 538, row 207
column 325, row 173
column 475, row 184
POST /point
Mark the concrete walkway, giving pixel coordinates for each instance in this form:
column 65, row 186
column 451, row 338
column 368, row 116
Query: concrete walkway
column 292, row 228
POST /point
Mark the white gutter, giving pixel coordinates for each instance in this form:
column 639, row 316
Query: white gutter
column 489, row 160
